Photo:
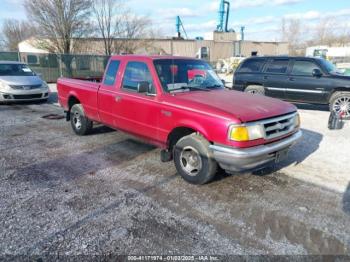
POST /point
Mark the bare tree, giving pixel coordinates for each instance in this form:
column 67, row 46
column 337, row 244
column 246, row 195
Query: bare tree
column 14, row 32
column 292, row 33
column 60, row 21
column 120, row 30
column 324, row 33
column 135, row 32
column 108, row 16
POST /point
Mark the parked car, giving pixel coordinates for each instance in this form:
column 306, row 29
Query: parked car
column 296, row 79
column 19, row 83
column 192, row 117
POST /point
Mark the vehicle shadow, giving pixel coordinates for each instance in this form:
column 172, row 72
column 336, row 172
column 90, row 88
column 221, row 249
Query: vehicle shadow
column 309, row 144
column 53, row 98
column 100, row 129
column 346, row 200
column 312, row 107
column 52, row 172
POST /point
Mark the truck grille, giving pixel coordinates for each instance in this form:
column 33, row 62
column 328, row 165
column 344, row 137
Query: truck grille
column 279, row 126
column 25, row 87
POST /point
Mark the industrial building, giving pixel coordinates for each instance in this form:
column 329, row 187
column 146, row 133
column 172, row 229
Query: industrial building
column 225, row 43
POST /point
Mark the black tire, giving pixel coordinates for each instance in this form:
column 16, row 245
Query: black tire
column 340, row 97
column 255, row 89
column 198, row 148
column 80, row 123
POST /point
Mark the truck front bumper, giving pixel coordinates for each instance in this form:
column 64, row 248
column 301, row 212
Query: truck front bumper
column 245, row 159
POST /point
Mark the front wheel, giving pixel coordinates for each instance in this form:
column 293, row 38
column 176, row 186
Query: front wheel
column 80, row 123
column 193, row 159
column 340, row 104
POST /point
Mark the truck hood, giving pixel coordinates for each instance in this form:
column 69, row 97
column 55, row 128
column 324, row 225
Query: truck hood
column 21, row 80
column 233, row 104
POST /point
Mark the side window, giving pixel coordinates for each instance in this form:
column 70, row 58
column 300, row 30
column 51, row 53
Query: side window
column 111, row 73
column 252, row 65
column 278, row 66
column 135, row 73
column 304, row 68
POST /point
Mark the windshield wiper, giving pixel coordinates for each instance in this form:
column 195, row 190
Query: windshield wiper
column 215, row 86
column 191, row 87
column 199, row 88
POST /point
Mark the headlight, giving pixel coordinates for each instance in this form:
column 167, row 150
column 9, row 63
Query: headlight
column 297, row 121
column 4, row 86
column 44, row 85
column 246, row 133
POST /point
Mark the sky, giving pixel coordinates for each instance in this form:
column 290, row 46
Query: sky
column 261, row 18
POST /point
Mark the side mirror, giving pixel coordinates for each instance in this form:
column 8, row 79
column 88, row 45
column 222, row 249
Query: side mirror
column 223, row 82
column 316, row 73
column 143, row 87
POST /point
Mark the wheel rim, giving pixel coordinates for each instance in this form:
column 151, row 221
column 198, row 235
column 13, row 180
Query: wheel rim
column 342, row 106
column 77, row 120
column 252, row 92
column 190, row 161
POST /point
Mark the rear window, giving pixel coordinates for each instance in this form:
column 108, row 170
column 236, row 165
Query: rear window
column 278, row 66
column 111, row 73
column 252, row 65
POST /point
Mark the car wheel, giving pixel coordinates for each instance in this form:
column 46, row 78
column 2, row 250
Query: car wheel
column 193, row 159
column 80, row 123
column 255, row 89
column 340, row 103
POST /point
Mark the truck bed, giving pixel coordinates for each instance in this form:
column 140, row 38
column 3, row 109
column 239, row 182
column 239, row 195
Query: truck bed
column 87, row 90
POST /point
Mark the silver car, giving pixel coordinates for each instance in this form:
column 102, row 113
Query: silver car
column 19, row 83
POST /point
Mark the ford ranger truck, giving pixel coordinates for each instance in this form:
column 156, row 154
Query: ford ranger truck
column 180, row 105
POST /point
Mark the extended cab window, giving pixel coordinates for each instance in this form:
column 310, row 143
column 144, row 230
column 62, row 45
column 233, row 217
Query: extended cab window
column 278, row 66
column 252, row 65
column 304, row 68
column 135, row 73
column 111, row 73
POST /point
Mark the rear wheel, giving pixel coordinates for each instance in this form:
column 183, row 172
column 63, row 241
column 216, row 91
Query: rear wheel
column 340, row 103
column 193, row 159
column 255, row 89
column 80, row 123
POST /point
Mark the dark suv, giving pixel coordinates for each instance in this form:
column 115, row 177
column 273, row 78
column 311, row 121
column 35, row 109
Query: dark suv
column 297, row 79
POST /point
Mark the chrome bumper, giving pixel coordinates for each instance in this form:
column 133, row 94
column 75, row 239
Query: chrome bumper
column 244, row 159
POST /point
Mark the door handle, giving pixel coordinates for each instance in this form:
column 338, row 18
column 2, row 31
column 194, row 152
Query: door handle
column 291, row 79
column 118, row 98
column 266, row 77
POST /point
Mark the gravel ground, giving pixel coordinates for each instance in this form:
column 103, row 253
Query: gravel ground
column 108, row 193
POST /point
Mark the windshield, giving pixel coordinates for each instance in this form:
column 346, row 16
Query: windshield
column 331, row 68
column 178, row 75
column 15, row 70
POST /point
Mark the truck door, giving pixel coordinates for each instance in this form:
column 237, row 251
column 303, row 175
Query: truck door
column 107, row 93
column 275, row 76
column 303, row 86
column 138, row 113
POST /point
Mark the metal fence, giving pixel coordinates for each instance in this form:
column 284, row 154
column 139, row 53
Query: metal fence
column 53, row 66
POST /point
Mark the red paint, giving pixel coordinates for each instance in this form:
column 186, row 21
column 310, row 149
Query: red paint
column 153, row 118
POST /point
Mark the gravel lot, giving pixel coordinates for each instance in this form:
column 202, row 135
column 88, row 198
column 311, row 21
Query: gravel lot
column 108, row 193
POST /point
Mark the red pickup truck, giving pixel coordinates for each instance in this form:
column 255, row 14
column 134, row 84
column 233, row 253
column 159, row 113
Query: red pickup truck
column 180, row 105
